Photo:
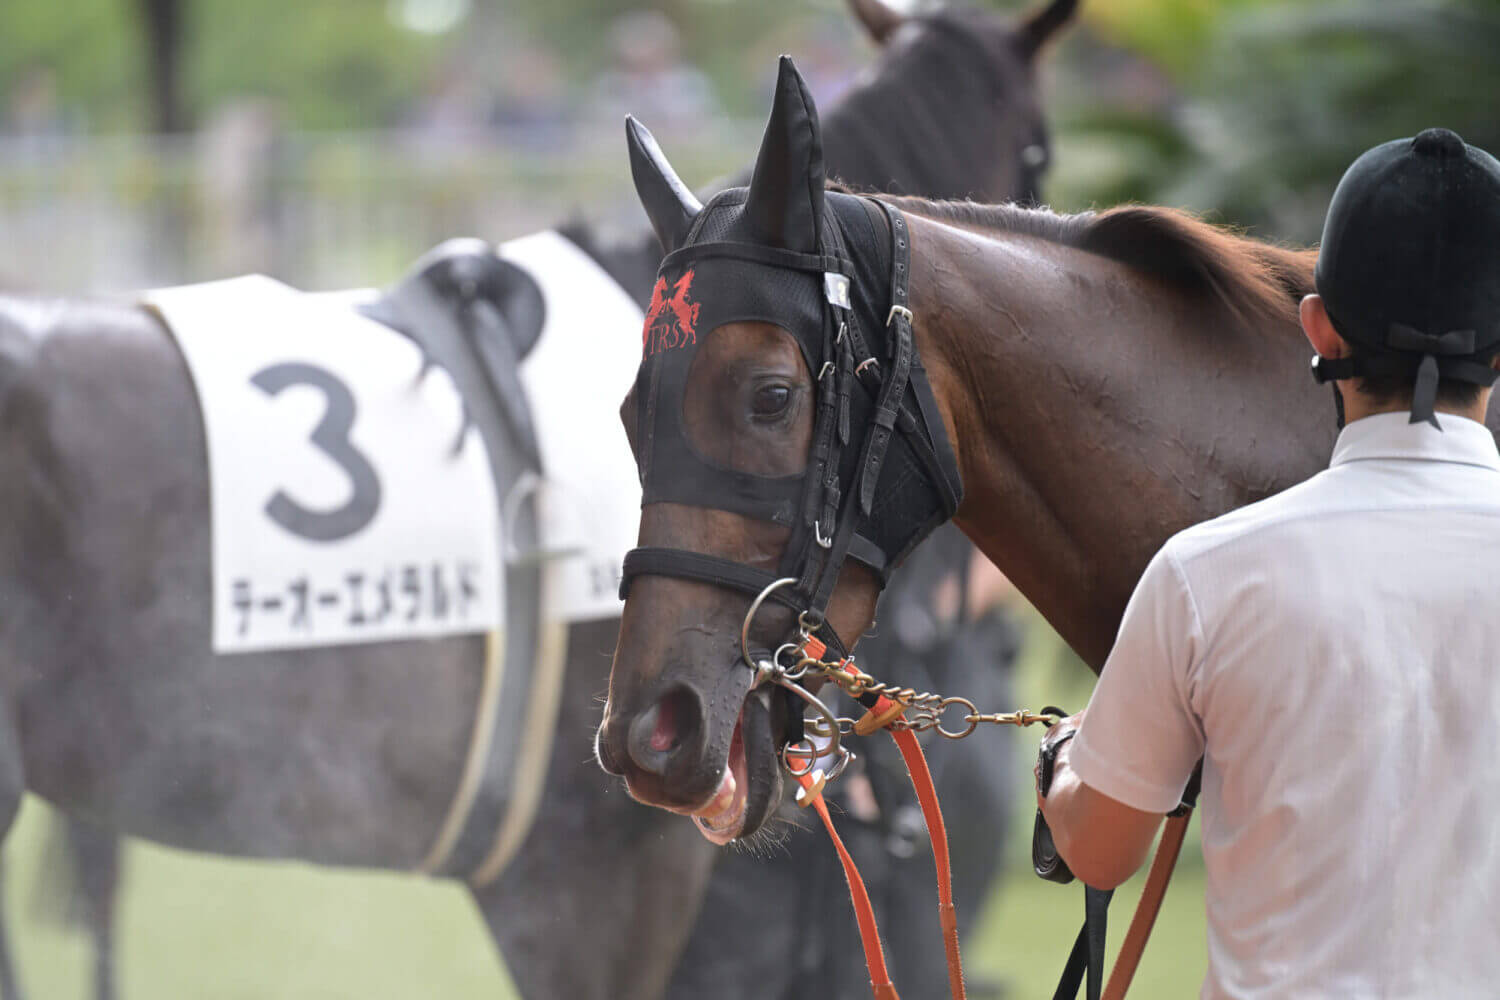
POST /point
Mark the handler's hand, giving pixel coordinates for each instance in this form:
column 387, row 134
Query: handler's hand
column 1102, row 840
column 1053, row 736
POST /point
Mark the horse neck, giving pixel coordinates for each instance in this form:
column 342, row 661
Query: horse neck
column 1096, row 411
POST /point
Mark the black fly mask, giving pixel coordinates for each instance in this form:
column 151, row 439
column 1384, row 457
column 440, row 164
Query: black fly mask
column 830, row 269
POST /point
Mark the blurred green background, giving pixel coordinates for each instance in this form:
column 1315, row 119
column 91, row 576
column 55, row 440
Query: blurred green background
column 160, row 141
column 331, row 143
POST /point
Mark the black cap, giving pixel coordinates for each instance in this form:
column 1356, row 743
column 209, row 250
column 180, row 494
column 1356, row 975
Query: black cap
column 1409, row 267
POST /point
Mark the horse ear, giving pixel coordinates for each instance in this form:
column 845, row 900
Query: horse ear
column 879, row 20
column 669, row 204
column 1040, row 26
column 785, row 202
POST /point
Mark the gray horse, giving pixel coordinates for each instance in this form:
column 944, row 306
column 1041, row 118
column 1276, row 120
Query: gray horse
column 114, row 707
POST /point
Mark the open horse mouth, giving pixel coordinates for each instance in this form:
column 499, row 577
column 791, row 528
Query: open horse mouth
column 724, row 817
column 750, row 785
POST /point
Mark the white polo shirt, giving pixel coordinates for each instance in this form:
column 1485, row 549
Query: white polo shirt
column 1334, row 653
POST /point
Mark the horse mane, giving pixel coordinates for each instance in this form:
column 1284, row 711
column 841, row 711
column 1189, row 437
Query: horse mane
column 1260, row 282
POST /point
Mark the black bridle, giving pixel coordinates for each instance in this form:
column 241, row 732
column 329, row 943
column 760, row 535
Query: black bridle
column 852, row 500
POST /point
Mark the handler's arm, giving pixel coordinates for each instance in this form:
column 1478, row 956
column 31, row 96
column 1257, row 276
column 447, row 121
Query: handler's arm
column 1103, row 840
column 1139, row 738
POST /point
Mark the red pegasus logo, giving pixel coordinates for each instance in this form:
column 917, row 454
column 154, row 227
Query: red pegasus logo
column 670, row 320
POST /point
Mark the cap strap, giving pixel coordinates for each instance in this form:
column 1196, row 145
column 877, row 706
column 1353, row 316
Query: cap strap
column 1424, row 396
column 1427, row 373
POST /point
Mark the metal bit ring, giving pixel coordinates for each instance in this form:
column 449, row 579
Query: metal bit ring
column 760, row 599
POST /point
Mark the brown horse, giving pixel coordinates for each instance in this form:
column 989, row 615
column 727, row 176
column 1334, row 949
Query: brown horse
column 1104, row 380
column 112, row 697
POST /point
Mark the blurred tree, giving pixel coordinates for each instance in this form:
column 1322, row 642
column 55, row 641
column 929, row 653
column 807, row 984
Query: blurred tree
column 1294, row 93
column 338, row 65
column 1258, row 106
column 137, row 64
column 87, row 49
column 1173, row 33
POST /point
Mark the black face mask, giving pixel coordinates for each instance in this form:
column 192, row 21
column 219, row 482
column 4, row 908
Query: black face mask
column 700, row 288
column 873, row 486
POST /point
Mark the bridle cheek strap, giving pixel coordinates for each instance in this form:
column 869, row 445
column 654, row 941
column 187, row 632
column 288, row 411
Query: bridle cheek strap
column 881, row 707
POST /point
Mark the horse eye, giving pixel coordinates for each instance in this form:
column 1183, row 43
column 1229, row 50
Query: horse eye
column 770, row 400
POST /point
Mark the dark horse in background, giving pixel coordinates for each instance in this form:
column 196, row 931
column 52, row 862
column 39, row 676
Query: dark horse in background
column 116, row 709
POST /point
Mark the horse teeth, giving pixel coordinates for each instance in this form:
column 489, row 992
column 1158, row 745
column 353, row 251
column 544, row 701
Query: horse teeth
column 723, row 799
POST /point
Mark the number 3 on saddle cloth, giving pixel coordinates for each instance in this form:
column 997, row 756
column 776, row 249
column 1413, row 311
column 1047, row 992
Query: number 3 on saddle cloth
column 345, row 507
column 377, row 473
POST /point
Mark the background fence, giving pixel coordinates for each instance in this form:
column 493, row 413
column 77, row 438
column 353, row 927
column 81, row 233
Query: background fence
column 319, row 210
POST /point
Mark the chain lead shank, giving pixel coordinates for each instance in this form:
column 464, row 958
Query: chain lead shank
column 921, row 710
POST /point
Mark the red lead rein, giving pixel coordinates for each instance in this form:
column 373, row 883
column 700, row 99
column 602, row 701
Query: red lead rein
column 937, row 833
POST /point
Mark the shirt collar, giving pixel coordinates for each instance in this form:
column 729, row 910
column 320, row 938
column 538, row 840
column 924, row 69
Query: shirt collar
column 1392, row 435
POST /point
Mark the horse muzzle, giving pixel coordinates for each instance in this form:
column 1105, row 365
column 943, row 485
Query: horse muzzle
column 677, row 754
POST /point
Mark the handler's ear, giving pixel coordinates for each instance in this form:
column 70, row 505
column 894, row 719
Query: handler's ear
column 1319, row 328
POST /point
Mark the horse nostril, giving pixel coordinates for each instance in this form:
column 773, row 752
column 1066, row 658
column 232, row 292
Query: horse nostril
column 658, row 733
column 665, row 736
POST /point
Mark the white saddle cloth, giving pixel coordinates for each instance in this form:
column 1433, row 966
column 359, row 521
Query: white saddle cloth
column 341, row 512
column 576, row 377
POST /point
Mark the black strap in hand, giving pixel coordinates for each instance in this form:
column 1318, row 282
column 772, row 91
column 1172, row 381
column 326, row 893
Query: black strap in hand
column 1086, row 961
column 1045, row 860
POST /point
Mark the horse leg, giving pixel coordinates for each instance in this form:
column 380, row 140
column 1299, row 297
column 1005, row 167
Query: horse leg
column 602, row 920
column 96, row 866
column 10, row 987
column 12, row 784
column 599, row 900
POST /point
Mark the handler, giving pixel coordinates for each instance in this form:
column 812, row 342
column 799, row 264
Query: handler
column 1333, row 652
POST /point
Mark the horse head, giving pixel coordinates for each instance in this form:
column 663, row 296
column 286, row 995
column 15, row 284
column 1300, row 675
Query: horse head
column 751, row 430
column 951, row 108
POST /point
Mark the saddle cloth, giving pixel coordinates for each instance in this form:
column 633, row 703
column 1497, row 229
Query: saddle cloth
column 345, row 506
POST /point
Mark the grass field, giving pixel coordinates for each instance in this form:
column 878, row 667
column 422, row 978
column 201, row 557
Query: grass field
column 1029, row 926
column 198, row 927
